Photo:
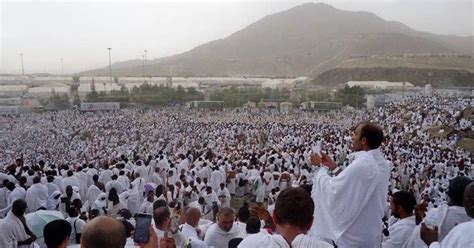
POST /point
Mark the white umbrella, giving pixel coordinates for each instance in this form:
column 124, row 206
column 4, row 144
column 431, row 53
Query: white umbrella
column 37, row 220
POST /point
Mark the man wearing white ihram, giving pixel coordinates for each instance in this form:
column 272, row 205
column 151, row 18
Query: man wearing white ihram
column 461, row 236
column 350, row 204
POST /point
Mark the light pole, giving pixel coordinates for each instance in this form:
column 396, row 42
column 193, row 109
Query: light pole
column 110, row 64
column 144, row 62
column 22, row 67
column 143, row 65
column 62, row 67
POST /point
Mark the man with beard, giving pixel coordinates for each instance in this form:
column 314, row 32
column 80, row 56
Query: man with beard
column 402, row 204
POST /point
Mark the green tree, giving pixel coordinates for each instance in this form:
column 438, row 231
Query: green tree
column 318, row 96
column 92, row 96
column 59, row 101
column 180, row 94
column 352, row 96
column 75, row 99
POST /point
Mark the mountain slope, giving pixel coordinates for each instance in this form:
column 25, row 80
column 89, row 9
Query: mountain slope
column 306, row 40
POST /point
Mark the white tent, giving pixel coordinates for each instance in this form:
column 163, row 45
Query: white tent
column 46, row 91
column 12, row 90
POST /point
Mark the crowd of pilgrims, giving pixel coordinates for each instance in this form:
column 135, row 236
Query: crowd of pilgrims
column 133, row 161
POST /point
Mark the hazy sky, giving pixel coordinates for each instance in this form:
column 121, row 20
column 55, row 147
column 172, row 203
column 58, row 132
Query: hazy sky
column 80, row 31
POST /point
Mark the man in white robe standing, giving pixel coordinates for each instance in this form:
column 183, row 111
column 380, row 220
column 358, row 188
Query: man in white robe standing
column 216, row 179
column 114, row 183
column 36, row 195
column 82, row 177
column 260, row 189
column 223, row 192
column 350, row 205
column 219, row 234
column 461, row 235
column 92, row 194
column 16, row 192
column 52, row 187
column 71, row 179
column 13, row 230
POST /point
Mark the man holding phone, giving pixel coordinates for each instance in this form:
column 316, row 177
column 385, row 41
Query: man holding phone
column 351, row 203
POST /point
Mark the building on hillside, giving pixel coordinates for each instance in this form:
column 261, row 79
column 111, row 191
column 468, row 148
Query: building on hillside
column 428, row 89
column 86, row 88
column 278, row 83
column 47, row 80
column 320, row 106
column 16, row 79
column 141, row 80
column 286, row 107
column 375, row 101
column 268, row 103
column 99, row 106
column 10, row 101
column 96, row 80
column 250, row 104
column 206, row 104
column 48, row 90
column 381, row 85
column 13, row 90
column 8, row 110
column 185, row 84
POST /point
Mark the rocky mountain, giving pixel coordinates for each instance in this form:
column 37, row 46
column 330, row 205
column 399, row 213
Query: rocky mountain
column 306, row 40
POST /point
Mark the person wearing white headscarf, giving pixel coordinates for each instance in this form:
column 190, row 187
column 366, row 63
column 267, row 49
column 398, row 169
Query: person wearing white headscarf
column 138, row 185
column 134, row 199
column 124, row 198
column 53, row 201
column 92, row 193
column 75, row 193
column 100, row 203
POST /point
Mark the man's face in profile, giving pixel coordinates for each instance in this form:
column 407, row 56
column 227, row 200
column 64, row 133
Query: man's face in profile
column 225, row 222
column 357, row 139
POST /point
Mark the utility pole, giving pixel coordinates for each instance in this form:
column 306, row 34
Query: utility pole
column 22, row 67
column 143, row 65
column 144, row 62
column 110, row 65
column 62, row 67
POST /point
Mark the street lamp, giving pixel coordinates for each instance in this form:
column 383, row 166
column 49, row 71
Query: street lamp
column 110, row 64
column 62, row 67
column 22, row 67
column 143, row 65
column 144, row 62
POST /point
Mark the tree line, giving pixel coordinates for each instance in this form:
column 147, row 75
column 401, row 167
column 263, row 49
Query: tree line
column 159, row 95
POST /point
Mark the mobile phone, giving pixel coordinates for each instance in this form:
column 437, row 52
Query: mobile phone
column 142, row 226
column 63, row 199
